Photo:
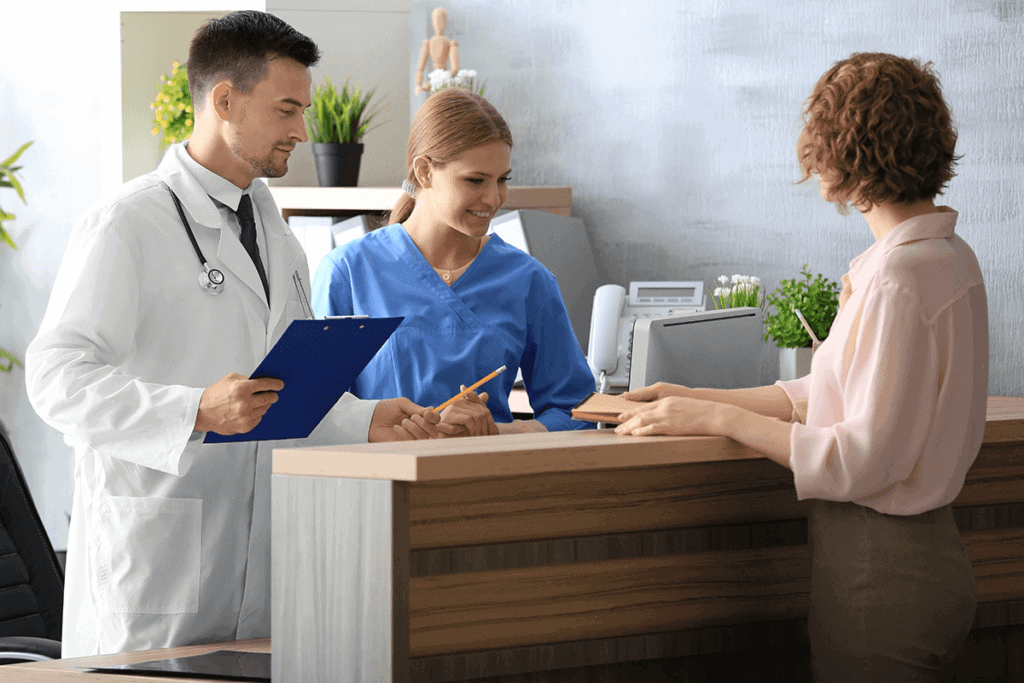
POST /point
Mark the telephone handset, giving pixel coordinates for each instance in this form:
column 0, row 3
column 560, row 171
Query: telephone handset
column 612, row 318
column 603, row 354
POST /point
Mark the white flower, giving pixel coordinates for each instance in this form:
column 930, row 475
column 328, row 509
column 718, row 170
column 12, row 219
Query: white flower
column 439, row 79
column 466, row 74
column 717, row 292
column 726, row 291
column 723, row 279
column 756, row 281
column 736, row 278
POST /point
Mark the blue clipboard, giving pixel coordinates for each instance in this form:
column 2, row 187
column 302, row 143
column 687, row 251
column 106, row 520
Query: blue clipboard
column 317, row 360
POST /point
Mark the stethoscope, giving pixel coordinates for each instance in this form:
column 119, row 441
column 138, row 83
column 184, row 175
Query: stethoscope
column 211, row 279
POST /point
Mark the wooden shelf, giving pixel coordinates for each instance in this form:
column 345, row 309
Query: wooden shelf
column 319, row 201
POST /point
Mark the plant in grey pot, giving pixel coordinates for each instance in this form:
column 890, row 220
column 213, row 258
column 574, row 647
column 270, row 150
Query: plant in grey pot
column 817, row 300
column 336, row 123
column 9, row 179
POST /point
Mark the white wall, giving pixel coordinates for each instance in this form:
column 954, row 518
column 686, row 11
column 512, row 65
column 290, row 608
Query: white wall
column 675, row 124
column 369, row 41
column 150, row 44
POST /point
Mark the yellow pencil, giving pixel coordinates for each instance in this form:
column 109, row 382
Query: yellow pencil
column 468, row 389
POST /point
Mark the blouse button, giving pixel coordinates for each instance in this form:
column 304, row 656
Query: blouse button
column 447, row 277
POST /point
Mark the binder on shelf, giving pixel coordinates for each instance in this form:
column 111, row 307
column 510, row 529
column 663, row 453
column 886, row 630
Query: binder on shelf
column 317, row 360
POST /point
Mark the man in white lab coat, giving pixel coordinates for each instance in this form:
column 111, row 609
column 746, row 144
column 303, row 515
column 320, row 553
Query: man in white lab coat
column 136, row 359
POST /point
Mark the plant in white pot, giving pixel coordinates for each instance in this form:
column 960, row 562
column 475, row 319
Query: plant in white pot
column 336, row 123
column 817, row 300
column 9, row 179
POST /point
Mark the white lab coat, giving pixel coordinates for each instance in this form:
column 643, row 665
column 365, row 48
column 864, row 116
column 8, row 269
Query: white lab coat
column 170, row 538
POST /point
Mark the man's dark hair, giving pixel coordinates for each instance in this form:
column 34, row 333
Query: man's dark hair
column 239, row 47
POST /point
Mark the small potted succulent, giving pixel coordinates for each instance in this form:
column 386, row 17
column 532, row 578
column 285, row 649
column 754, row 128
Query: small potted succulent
column 336, row 123
column 817, row 300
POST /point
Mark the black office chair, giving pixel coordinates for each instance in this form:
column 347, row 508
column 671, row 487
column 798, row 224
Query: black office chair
column 31, row 580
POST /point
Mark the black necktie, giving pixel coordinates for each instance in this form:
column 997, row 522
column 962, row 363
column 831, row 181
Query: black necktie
column 248, row 225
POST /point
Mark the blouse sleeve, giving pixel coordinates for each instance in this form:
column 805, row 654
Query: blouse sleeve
column 797, row 391
column 888, row 396
column 555, row 371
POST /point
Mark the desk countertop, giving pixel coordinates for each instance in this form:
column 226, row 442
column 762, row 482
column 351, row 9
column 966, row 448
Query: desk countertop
column 519, row 454
column 67, row 670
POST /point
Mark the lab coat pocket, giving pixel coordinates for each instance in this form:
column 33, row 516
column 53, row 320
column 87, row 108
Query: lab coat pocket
column 150, row 554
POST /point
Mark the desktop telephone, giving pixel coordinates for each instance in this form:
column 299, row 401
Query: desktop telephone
column 614, row 314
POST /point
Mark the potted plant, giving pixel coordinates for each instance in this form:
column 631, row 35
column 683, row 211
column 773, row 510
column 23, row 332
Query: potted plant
column 173, row 118
column 336, row 123
column 9, row 179
column 439, row 79
column 817, row 300
column 743, row 290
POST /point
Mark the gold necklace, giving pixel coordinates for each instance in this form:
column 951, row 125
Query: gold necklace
column 450, row 276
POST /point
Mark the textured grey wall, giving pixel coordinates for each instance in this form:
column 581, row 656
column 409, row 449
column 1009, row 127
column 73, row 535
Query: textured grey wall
column 675, row 124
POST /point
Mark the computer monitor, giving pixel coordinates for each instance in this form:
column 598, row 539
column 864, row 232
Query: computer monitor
column 561, row 244
column 719, row 349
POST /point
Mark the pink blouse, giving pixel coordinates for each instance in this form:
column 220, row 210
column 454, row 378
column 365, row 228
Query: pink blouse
column 897, row 393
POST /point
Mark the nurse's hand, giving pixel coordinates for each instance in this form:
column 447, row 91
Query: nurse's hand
column 673, row 415
column 655, row 391
column 471, row 414
column 399, row 419
column 235, row 404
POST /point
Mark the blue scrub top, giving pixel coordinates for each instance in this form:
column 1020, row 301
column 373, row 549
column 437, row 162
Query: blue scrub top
column 505, row 309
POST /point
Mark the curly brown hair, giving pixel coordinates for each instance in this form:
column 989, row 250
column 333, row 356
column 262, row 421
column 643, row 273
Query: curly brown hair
column 877, row 129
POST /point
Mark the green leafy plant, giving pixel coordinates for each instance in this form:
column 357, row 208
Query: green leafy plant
column 817, row 299
column 173, row 117
column 340, row 115
column 9, row 179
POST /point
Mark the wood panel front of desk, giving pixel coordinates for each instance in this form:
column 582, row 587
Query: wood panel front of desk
column 493, row 557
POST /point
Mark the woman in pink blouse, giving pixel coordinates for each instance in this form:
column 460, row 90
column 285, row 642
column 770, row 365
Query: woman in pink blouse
column 883, row 430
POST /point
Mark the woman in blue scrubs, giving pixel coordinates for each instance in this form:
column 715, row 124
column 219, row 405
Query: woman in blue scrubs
column 471, row 302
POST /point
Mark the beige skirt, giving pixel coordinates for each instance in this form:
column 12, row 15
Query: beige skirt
column 892, row 597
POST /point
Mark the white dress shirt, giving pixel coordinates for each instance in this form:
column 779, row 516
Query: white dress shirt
column 226, row 197
column 897, row 393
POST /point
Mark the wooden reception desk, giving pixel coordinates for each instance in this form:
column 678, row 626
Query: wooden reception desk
column 461, row 559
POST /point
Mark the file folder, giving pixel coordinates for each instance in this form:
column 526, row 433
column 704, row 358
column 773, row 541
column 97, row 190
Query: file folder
column 317, row 360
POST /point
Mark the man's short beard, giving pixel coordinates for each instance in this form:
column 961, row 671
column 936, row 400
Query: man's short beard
column 262, row 168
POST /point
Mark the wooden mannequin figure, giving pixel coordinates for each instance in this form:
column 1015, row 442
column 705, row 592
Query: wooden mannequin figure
column 439, row 48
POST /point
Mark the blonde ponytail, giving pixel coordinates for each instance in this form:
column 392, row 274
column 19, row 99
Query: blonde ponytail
column 403, row 209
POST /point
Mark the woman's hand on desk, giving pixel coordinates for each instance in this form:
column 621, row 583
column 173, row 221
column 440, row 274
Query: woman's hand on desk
column 672, row 415
column 683, row 416
column 392, row 421
column 655, row 392
column 470, row 415
column 399, row 419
